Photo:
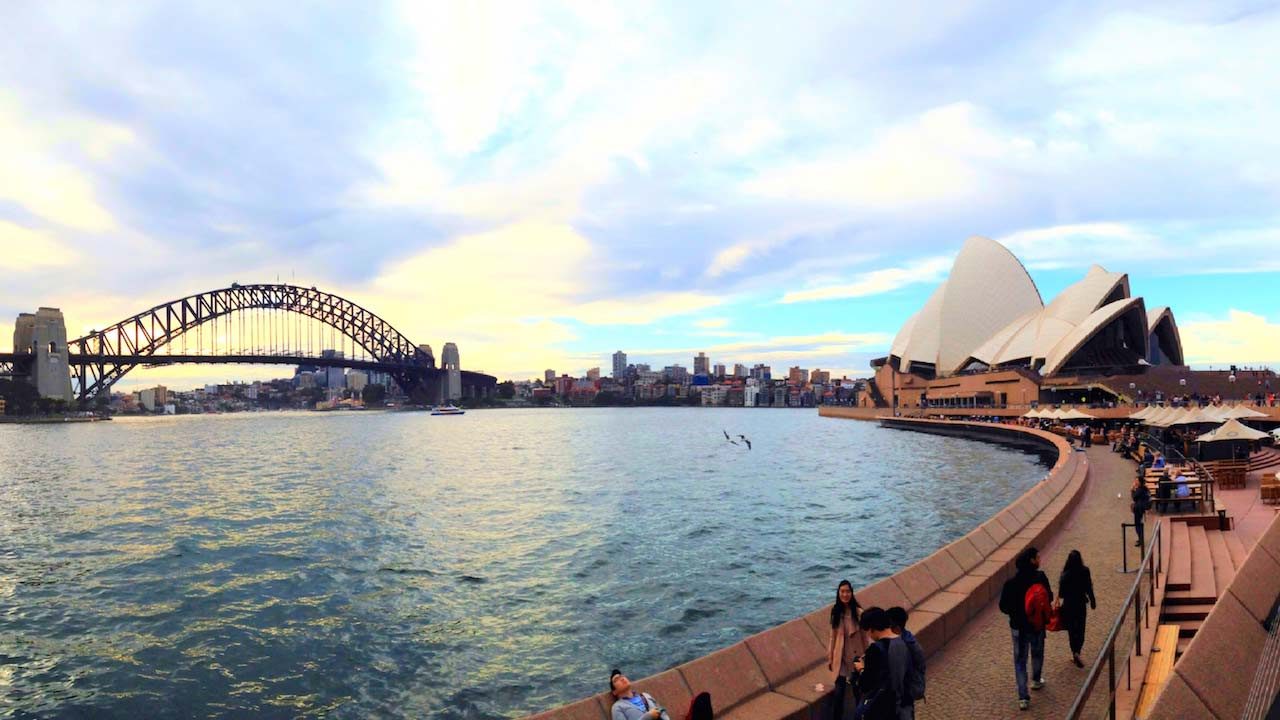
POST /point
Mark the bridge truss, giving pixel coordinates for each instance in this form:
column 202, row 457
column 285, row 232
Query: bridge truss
column 267, row 321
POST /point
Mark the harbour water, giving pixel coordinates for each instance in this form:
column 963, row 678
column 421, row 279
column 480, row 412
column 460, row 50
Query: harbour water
column 401, row 565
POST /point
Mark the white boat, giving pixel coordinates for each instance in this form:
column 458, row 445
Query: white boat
column 447, row 410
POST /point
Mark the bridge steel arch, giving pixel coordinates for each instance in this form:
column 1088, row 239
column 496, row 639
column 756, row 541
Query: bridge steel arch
column 102, row 357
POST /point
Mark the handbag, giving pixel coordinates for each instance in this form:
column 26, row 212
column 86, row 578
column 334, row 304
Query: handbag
column 1055, row 620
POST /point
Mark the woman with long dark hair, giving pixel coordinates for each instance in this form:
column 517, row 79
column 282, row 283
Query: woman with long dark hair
column 1075, row 588
column 847, row 642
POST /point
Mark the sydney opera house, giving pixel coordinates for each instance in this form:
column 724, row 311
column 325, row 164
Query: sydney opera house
column 986, row 338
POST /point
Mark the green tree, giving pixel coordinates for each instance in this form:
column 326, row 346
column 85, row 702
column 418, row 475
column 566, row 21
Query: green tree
column 506, row 390
column 20, row 397
column 374, row 395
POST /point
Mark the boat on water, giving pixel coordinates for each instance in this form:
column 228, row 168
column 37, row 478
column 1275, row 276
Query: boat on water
column 447, row 410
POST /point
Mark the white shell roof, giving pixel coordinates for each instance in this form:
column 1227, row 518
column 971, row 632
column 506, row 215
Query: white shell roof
column 988, row 288
column 1080, row 334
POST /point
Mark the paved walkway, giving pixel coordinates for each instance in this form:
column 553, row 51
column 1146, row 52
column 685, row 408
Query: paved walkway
column 972, row 677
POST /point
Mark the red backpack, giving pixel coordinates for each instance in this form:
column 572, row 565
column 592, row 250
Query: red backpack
column 1036, row 603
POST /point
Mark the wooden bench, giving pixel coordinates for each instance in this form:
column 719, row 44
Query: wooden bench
column 1159, row 668
column 1229, row 474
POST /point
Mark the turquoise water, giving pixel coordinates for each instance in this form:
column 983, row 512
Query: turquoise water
column 402, row 565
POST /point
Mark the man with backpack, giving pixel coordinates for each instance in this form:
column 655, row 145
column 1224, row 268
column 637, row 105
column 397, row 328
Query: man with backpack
column 913, row 687
column 882, row 674
column 1027, row 599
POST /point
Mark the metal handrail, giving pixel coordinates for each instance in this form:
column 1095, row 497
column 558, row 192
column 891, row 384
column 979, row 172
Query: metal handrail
column 1152, row 565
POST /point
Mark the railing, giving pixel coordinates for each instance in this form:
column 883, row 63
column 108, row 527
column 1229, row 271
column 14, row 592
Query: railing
column 1149, row 575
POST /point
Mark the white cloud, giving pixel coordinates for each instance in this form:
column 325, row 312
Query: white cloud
column 1242, row 338
column 1085, row 243
column 712, row 323
column 876, row 282
column 25, row 249
column 40, row 169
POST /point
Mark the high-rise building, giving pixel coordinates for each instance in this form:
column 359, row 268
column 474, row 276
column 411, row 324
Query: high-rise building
column 335, row 377
column 619, row 365
column 357, row 379
column 593, row 374
column 798, row 375
column 820, row 377
column 701, row 364
column 452, row 366
column 739, row 370
column 761, row 372
column 549, row 376
column 676, row 374
column 717, row 371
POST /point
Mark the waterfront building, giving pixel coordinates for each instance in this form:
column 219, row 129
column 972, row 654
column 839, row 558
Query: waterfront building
column 701, row 364
column 798, row 375
column 563, row 385
column 718, row 371
column 676, row 374
column 780, row 396
column 356, row 382
column 739, row 370
column 619, row 365
column 549, row 376
column 713, row 395
column 751, row 393
column 985, row 338
column 820, row 377
column 593, row 374
column 762, row 373
column 334, row 377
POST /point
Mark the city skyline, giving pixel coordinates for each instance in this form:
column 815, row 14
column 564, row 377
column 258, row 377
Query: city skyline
column 764, row 186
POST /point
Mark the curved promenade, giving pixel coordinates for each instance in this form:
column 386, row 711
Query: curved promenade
column 771, row 675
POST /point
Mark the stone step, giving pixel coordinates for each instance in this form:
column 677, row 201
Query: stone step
column 1179, row 556
column 1188, row 628
column 1224, row 569
column 1177, row 613
column 1183, row 643
column 1235, row 546
column 1203, row 582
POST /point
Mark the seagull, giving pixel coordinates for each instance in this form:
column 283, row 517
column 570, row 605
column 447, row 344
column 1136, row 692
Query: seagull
column 735, row 442
column 745, row 440
column 726, row 435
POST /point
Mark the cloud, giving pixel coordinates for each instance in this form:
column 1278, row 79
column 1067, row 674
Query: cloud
column 876, row 282
column 1060, row 246
column 712, row 323
column 26, row 249
column 42, row 170
column 1242, row 338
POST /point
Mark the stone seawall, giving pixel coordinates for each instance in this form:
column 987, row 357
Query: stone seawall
column 772, row 675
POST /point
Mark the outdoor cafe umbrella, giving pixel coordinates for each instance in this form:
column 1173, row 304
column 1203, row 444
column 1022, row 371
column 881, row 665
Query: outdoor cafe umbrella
column 1074, row 414
column 1033, row 413
column 1197, row 417
column 1142, row 414
column 1159, row 419
column 1240, row 412
column 1231, row 430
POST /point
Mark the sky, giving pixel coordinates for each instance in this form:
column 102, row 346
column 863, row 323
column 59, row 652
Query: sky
column 546, row 183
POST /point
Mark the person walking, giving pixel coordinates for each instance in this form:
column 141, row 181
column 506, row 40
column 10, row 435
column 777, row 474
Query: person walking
column 1018, row 592
column 1141, row 502
column 1075, row 588
column 846, row 643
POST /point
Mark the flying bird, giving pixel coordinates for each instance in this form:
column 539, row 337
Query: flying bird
column 726, row 435
column 745, row 440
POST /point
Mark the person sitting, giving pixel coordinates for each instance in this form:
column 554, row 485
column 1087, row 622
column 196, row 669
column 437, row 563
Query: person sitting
column 631, row 705
column 1181, row 489
column 1164, row 491
column 1159, row 462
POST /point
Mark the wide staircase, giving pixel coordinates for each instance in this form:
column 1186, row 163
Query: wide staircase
column 1266, row 460
column 1201, row 562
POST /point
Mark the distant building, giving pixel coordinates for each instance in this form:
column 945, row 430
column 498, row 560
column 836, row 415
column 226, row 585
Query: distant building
column 676, row 374
column 717, row 371
column 701, row 364
column 334, row 377
column 619, row 365
column 357, row 380
column 549, row 376
column 762, row 373
column 798, row 375
column 714, row 395
column 593, row 374
column 152, row 398
column 820, row 377
column 751, row 393
column 739, row 370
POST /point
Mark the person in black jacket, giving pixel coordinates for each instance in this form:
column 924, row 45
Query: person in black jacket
column 1075, row 588
column 877, row 681
column 1025, row 637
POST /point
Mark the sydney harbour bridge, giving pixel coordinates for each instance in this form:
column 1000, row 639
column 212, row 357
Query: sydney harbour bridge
column 251, row 324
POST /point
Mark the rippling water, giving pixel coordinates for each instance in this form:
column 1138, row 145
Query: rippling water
column 403, row 565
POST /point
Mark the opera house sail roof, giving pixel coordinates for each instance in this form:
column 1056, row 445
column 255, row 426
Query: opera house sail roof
column 988, row 313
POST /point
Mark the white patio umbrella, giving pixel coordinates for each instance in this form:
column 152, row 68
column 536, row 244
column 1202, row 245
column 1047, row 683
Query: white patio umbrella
column 1142, row 414
column 1240, row 412
column 1074, row 414
column 1231, row 430
column 1033, row 413
column 1161, row 417
column 1197, row 417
